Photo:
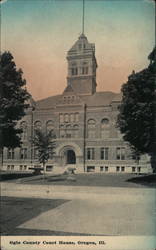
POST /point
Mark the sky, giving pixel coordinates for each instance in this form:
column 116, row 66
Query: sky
column 39, row 33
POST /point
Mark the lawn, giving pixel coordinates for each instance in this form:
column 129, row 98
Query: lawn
column 15, row 211
column 96, row 179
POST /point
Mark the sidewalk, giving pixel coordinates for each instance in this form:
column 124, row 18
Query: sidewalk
column 91, row 210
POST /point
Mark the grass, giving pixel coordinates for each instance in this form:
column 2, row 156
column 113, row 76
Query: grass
column 149, row 180
column 15, row 211
column 97, row 180
column 11, row 176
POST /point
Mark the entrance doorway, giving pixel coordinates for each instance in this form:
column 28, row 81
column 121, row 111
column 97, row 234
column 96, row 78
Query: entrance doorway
column 71, row 157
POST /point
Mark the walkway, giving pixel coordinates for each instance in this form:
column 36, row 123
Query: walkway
column 91, row 210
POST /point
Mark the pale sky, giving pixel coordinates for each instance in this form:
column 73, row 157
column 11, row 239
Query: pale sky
column 40, row 32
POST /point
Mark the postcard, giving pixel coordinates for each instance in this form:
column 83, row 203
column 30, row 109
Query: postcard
column 69, row 179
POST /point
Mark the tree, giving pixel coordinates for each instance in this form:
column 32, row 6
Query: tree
column 137, row 117
column 13, row 98
column 45, row 145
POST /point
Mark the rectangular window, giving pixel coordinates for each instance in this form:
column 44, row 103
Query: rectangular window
column 117, row 169
column 133, row 169
column 90, row 153
column 49, row 168
column 106, row 168
column 139, row 169
column 12, row 167
column 120, row 153
column 21, row 167
column 122, row 169
column 104, row 153
column 101, row 169
column 23, row 153
column 25, row 167
column 10, row 154
column 8, row 167
column 74, row 71
column 84, row 70
column 90, row 169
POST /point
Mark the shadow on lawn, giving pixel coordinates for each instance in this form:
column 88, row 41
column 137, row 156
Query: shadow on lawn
column 146, row 180
column 11, row 176
column 15, row 211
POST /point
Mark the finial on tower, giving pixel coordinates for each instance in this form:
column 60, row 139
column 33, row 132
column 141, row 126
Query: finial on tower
column 83, row 17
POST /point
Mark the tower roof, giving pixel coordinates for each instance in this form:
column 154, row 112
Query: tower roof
column 81, row 46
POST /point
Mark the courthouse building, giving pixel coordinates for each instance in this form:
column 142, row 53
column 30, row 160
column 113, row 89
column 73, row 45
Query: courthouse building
column 83, row 120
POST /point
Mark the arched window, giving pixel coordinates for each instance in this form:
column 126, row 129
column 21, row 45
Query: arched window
column 37, row 125
column 23, row 126
column 49, row 126
column 71, row 117
column 104, row 123
column 91, row 125
column 105, row 128
column 66, row 118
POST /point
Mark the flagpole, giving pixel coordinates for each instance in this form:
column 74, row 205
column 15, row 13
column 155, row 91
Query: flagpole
column 83, row 17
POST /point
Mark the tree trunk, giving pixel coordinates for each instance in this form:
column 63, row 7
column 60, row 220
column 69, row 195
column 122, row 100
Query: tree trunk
column 44, row 171
column 1, row 157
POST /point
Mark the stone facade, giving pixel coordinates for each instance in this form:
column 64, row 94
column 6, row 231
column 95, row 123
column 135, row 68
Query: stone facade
column 83, row 120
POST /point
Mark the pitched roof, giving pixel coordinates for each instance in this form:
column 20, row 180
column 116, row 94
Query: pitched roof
column 48, row 103
column 101, row 98
column 68, row 89
column 98, row 99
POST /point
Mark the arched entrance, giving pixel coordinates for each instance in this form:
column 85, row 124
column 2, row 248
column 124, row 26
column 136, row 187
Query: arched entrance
column 71, row 157
column 68, row 154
